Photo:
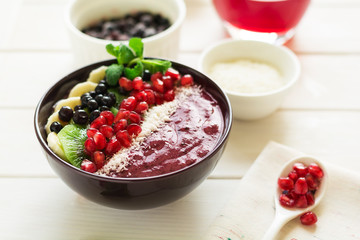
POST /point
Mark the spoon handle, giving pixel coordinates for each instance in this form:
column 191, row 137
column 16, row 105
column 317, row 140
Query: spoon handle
column 275, row 227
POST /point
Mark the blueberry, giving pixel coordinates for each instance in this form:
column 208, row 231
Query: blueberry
column 80, row 117
column 99, row 98
column 66, row 113
column 146, row 75
column 107, row 101
column 104, row 108
column 78, row 107
column 101, row 88
column 85, row 98
column 56, row 127
column 93, row 115
column 112, row 96
column 149, row 32
column 92, row 105
column 92, row 94
column 104, row 82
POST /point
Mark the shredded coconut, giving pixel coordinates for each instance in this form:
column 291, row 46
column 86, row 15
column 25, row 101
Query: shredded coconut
column 246, row 76
column 154, row 118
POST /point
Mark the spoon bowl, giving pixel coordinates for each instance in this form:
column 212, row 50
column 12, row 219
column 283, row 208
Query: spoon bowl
column 285, row 214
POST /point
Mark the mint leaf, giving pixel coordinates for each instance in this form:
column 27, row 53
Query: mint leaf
column 111, row 49
column 156, row 65
column 113, row 73
column 134, row 72
column 137, row 46
column 125, row 54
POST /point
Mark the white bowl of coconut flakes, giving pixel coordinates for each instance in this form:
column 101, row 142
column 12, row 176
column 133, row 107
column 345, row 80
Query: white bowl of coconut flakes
column 256, row 76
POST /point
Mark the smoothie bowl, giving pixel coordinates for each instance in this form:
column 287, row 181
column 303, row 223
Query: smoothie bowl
column 136, row 133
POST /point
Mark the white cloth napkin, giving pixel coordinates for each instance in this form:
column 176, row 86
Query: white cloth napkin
column 251, row 208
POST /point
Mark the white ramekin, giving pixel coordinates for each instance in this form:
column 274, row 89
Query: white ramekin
column 255, row 105
column 87, row 49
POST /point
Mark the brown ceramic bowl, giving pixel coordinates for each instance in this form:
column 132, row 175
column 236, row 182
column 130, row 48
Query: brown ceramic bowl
column 130, row 193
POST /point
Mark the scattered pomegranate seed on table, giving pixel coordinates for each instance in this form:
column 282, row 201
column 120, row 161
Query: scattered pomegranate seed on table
column 308, row 218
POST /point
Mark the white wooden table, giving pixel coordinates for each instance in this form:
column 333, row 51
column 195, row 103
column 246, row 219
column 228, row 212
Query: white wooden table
column 320, row 117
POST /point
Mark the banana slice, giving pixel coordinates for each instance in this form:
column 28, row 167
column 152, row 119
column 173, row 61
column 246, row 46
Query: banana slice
column 71, row 102
column 55, row 145
column 97, row 75
column 53, row 118
column 81, row 88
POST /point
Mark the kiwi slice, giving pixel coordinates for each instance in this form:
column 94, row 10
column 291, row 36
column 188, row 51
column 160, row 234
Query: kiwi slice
column 72, row 138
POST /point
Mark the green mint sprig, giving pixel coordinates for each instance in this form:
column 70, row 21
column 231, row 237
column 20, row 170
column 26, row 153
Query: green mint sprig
column 130, row 61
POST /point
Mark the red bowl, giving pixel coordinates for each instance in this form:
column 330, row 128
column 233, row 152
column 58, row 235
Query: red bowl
column 131, row 193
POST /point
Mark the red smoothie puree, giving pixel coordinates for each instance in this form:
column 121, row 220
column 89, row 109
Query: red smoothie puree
column 192, row 133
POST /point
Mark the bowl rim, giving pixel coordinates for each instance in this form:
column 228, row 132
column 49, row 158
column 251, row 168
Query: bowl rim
column 290, row 54
column 173, row 27
column 221, row 141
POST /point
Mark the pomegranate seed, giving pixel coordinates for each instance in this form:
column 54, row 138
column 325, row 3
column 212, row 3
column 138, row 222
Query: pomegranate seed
column 285, row 183
column 173, row 74
column 99, row 159
column 159, row 98
column 120, row 125
column 316, row 171
column 308, row 218
column 109, row 116
column 88, row 166
column 98, row 122
column 286, row 201
column 107, row 131
column 129, row 103
column 90, row 132
column 140, row 96
column 158, row 85
column 169, row 95
column 122, row 114
column 147, row 85
column 150, row 97
column 100, row 141
column 138, row 84
column 187, row 79
column 141, row 107
column 312, row 182
column 300, row 186
column 125, row 83
column 310, row 198
column 112, row 147
column 157, row 75
column 134, row 117
column 292, row 194
column 300, row 169
column 134, row 129
column 301, row 202
column 90, row 145
column 293, row 175
column 168, row 82
column 124, row 138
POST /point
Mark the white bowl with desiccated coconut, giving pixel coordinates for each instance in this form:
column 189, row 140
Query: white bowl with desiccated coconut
column 256, row 76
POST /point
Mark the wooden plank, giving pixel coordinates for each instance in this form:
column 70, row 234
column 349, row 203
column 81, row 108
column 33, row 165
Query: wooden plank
column 326, row 82
column 30, row 74
column 331, row 135
column 318, row 32
column 45, row 208
column 8, row 15
column 328, row 29
column 46, row 31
